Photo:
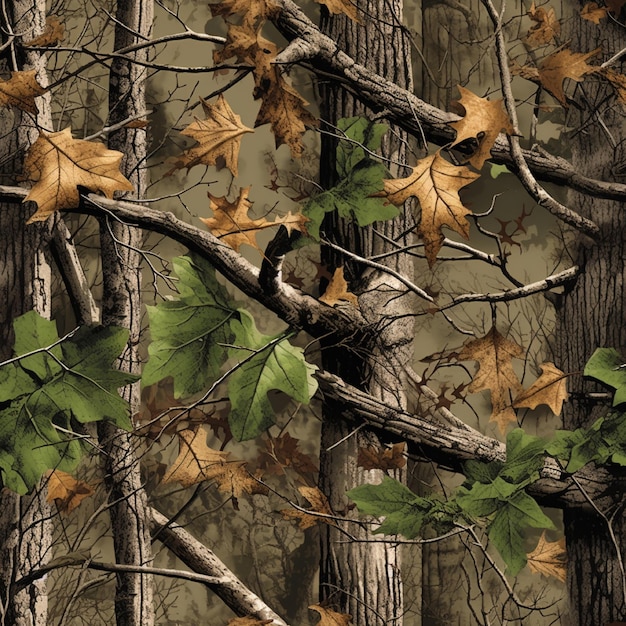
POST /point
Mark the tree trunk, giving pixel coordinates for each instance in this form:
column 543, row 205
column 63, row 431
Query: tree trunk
column 361, row 578
column 25, row 528
column 121, row 306
column 592, row 315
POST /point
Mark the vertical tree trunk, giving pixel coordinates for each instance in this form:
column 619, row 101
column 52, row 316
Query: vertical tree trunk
column 25, row 529
column 592, row 315
column 121, row 306
column 363, row 578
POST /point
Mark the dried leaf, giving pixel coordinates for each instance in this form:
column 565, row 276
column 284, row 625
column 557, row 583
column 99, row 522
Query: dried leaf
column 547, row 25
column 253, row 13
column 67, row 492
column 331, row 618
column 618, row 82
column 555, row 68
column 494, row 354
column 550, row 388
column 337, row 290
column 53, row 33
column 371, row 457
column 249, row 621
column 593, row 13
column 293, row 221
column 20, row 91
column 436, row 183
column 549, row 558
column 218, row 136
column 347, row 7
column 284, row 452
column 484, row 119
column 59, row 164
column 319, row 504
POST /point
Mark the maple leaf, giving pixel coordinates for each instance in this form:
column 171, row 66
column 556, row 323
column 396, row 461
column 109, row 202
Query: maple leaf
column 547, row 25
column 230, row 221
column 53, row 33
column 20, row 91
column 330, row 617
column 59, row 164
column 337, row 290
column 67, row 492
column 549, row 558
column 372, row 457
column 618, row 82
column 494, row 354
column 218, row 136
column 347, row 7
column 550, row 388
column 593, row 13
column 554, row 69
column 319, row 504
column 436, row 184
column 482, row 117
column 293, row 221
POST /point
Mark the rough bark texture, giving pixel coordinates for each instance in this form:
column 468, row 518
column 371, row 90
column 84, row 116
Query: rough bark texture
column 592, row 315
column 361, row 578
column 121, row 306
column 25, row 528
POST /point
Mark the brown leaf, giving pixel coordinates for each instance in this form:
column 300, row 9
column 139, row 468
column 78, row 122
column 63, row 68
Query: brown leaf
column 547, row 25
column 555, row 68
column 53, row 33
column 284, row 452
column 218, row 136
column 319, row 504
column 337, row 291
column 249, row 621
column 618, row 82
column 436, row 183
column 67, row 492
column 549, row 558
column 331, row 618
column 347, row 7
column 494, row 354
column 371, row 457
column 253, row 13
column 484, row 119
column 293, row 221
column 20, row 91
column 593, row 13
column 550, row 388
column 59, row 164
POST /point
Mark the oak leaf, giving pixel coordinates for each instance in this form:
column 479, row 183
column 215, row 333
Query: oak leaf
column 483, row 120
column 319, row 504
column 218, row 136
column 436, row 184
column 53, row 33
column 593, row 13
column 347, row 7
column 67, row 492
column 292, row 221
column 618, row 82
column 494, row 354
column 550, row 389
column 549, row 558
column 563, row 64
column 20, row 91
column 547, row 25
column 372, row 457
column 337, row 290
column 59, row 164
column 330, row 617
column 253, row 13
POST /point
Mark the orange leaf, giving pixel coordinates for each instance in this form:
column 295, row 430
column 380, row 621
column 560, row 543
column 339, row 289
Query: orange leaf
column 371, row 457
column 549, row 558
column 319, row 504
column 53, row 33
column 555, row 68
column 494, row 354
column 593, row 13
column 550, row 388
column 218, row 136
column 331, row 618
column 547, row 25
column 67, row 492
column 20, row 91
column 484, row 119
column 436, row 183
column 337, row 291
column 59, row 164
column 347, row 7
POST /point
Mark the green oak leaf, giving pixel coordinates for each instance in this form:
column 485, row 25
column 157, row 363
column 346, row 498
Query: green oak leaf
column 265, row 364
column 524, row 457
column 189, row 332
column 605, row 365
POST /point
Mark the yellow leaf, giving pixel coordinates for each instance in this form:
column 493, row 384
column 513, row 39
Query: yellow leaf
column 547, row 25
column 319, row 504
column 494, row 354
column 550, row 388
column 218, row 136
column 371, row 457
column 347, row 7
column 436, row 184
column 337, row 291
column 59, row 164
column 555, row 68
column 549, row 558
column 53, row 33
column 331, row 618
column 20, row 91
column 67, row 492
column 593, row 13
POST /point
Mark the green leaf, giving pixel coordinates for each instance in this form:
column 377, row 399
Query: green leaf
column 496, row 170
column 33, row 332
column 605, row 365
column 479, row 472
column 189, row 333
column 524, row 457
column 363, row 134
column 483, row 500
column 266, row 364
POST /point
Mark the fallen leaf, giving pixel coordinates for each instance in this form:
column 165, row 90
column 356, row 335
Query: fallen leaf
column 372, row 457
column 249, row 621
column 218, row 136
column 547, row 25
column 555, row 68
column 347, row 7
column 549, row 558
column 331, row 618
column 337, row 291
column 67, row 492
column 20, row 91
column 436, row 184
column 53, row 33
column 618, row 82
column 230, row 221
column 483, row 120
column 494, row 354
column 319, row 504
column 593, row 13
column 550, row 389
column 59, row 164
